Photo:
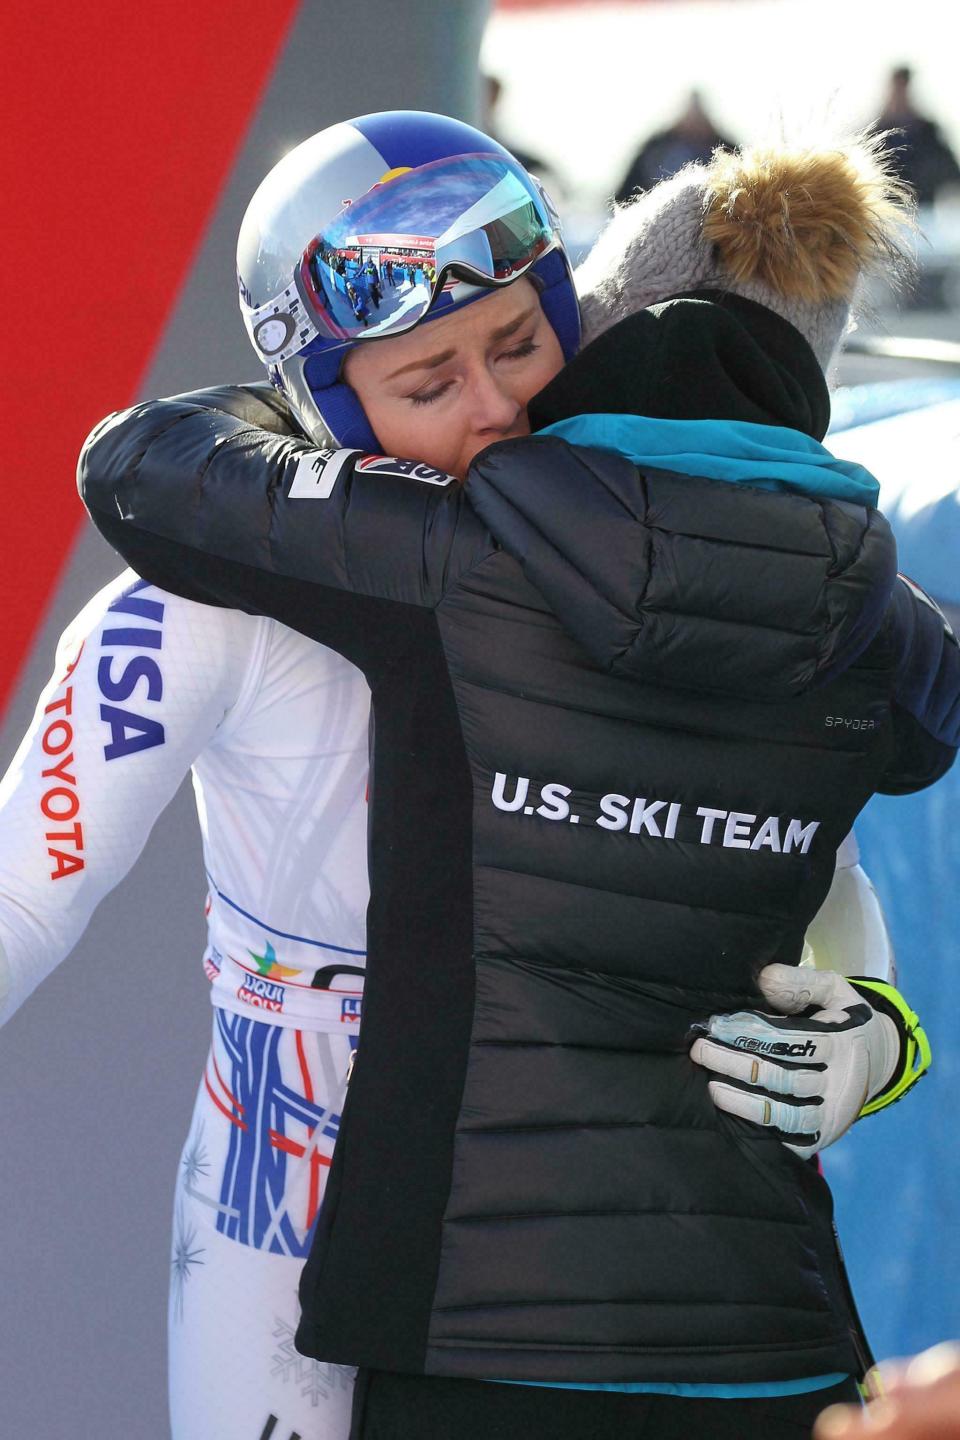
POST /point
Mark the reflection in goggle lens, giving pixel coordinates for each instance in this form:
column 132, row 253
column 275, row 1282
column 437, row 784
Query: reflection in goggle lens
column 387, row 257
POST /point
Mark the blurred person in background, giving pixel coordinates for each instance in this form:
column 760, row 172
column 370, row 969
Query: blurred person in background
column 768, row 367
column 920, row 154
column 691, row 138
column 491, row 97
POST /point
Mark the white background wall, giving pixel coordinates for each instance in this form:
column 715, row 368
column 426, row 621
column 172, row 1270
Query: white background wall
column 583, row 84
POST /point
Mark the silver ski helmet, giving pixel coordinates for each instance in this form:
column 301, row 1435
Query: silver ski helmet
column 375, row 225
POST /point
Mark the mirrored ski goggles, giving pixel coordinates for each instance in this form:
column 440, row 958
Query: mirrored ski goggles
column 404, row 247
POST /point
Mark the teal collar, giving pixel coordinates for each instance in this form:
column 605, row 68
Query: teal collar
column 768, row 457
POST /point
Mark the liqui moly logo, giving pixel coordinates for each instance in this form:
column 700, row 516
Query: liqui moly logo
column 264, row 994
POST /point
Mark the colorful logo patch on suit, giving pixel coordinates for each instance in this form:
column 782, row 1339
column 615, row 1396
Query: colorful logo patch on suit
column 404, row 469
column 350, row 1008
column 269, row 966
column 212, row 963
column 139, row 627
column 264, row 994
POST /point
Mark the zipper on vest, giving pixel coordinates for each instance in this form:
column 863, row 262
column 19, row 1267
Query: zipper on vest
column 858, row 1334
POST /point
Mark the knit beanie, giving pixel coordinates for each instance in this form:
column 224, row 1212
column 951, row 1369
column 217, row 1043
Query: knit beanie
column 796, row 229
column 705, row 355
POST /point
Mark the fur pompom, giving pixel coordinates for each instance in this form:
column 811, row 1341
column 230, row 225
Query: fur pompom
column 807, row 222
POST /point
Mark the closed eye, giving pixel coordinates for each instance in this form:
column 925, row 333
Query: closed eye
column 428, row 397
column 522, row 351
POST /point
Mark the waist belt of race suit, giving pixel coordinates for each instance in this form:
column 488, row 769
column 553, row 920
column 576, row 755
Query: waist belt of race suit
column 327, row 999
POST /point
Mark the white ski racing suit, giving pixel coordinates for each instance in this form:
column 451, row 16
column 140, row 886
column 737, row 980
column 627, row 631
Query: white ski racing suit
column 147, row 685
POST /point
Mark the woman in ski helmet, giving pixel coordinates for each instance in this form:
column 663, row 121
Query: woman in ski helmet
column 468, row 223
column 275, row 729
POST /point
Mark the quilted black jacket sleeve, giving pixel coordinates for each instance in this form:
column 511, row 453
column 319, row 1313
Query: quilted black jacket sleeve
column 217, row 496
column 668, row 579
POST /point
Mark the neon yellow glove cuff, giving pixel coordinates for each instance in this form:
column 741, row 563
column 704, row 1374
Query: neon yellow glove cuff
column 914, row 1046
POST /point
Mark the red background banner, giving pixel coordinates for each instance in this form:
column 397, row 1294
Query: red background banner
column 120, row 126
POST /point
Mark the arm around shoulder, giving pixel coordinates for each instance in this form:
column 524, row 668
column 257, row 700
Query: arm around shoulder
column 198, row 494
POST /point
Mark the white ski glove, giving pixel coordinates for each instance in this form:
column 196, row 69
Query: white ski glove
column 806, row 1076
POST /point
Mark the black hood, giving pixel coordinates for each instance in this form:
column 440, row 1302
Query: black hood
column 708, row 355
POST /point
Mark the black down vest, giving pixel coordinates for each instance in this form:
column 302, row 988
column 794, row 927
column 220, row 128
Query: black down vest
column 587, row 834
